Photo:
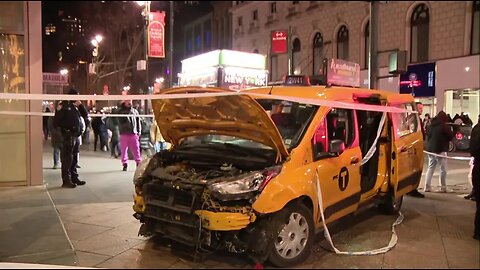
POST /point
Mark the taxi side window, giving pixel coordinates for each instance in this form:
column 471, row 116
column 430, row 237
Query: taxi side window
column 334, row 134
column 405, row 123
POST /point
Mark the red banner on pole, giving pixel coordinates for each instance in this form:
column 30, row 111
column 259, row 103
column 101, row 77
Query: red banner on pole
column 156, row 33
column 279, row 42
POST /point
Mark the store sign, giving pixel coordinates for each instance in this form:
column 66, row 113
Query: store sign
column 343, row 73
column 242, row 78
column 206, row 77
column 419, row 80
column 156, row 35
column 279, row 42
column 55, row 79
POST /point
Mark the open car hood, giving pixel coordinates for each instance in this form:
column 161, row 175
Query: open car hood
column 234, row 115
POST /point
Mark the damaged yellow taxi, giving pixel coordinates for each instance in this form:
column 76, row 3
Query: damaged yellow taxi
column 245, row 170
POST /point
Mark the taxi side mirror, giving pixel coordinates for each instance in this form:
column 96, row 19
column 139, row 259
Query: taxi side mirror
column 336, row 146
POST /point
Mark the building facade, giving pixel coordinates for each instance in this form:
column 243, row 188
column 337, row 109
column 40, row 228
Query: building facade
column 20, row 72
column 222, row 25
column 446, row 33
column 198, row 36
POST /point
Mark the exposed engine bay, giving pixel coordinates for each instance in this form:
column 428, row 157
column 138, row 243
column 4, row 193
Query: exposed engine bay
column 186, row 190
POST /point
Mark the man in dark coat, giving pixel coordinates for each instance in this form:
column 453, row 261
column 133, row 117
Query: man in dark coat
column 475, row 153
column 70, row 119
column 439, row 135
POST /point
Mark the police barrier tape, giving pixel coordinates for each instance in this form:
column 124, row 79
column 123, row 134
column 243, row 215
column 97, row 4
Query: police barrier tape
column 311, row 101
column 336, row 104
column 391, row 244
column 448, row 157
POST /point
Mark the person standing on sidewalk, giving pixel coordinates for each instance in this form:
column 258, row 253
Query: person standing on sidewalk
column 72, row 125
column 56, row 141
column 439, row 136
column 415, row 193
column 471, row 196
column 475, row 153
column 130, row 130
column 112, row 125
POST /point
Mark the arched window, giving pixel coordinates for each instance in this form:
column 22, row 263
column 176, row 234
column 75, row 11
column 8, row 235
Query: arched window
column 367, row 43
column 296, row 48
column 475, row 46
column 317, row 53
column 342, row 43
column 420, row 22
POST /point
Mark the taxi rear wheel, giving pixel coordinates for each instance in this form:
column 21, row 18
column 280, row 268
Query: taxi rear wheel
column 294, row 236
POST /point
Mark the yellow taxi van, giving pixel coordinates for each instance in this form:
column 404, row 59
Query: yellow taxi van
column 245, row 170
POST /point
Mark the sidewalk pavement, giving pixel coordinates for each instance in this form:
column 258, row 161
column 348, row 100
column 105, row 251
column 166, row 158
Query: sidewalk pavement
column 436, row 232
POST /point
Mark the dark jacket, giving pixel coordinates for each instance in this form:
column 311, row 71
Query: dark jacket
column 439, row 134
column 112, row 125
column 130, row 124
column 475, row 142
column 56, row 133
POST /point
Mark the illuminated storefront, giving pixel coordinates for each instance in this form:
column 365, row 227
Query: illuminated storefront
column 459, row 82
column 20, row 72
column 225, row 68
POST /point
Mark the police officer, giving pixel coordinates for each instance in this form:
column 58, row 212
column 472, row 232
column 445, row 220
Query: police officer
column 71, row 119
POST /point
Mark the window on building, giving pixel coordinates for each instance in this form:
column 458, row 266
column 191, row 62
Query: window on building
column 255, row 15
column 367, row 44
column 274, row 68
column 198, row 38
column 317, row 53
column 273, row 7
column 296, row 48
column 189, row 43
column 419, row 34
column 342, row 43
column 207, row 35
column 240, row 21
column 475, row 44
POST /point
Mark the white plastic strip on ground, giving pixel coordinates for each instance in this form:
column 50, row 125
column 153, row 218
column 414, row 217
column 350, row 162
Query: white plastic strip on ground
column 391, row 244
column 448, row 157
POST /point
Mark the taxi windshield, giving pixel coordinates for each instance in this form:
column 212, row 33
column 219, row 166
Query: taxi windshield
column 291, row 119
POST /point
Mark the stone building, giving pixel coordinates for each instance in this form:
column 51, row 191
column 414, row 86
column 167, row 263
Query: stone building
column 446, row 33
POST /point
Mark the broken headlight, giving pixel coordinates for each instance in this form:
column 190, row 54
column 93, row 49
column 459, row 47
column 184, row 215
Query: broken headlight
column 245, row 187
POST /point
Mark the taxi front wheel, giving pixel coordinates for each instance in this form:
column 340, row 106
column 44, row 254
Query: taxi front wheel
column 294, row 236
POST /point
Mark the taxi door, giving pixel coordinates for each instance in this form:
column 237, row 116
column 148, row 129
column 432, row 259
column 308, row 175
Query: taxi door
column 338, row 171
column 407, row 150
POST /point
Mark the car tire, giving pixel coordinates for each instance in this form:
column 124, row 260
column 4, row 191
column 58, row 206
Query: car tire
column 294, row 236
column 391, row 206
column 451, row 146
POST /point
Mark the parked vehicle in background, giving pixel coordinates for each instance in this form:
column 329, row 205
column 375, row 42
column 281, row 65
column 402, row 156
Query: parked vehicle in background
column 461, row 141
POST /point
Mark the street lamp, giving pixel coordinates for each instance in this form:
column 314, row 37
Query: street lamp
column 96, row 42
column 159, row 80
column 146, row 14
column 64, row 71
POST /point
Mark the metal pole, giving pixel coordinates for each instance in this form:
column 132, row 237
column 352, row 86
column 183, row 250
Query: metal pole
column 170, row 49
column 97, row 67
column 290, row 52
column 373, row 52
column 147, row 22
